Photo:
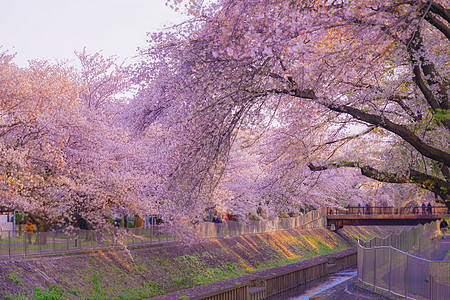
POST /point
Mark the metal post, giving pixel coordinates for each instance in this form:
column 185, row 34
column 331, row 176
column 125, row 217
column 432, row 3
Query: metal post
column 410, row 239
column 407, row 278
column 14, row 224
column 420, row 247
column 9, row 242
column 362, row 259
column 375, row 270
column 390, row 268
column 25, row 243
column 431, row 287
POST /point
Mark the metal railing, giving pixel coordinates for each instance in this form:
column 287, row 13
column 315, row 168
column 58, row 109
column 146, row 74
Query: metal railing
column 385, row 264
column 23, row 244
column 390, row 210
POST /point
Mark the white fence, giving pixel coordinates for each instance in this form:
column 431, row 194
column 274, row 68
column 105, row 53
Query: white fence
column 385, row 264
column 24, row 244
column 312, row 219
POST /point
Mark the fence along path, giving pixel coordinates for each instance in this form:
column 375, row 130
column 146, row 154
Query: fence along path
column 385, row 264
column 22, row 244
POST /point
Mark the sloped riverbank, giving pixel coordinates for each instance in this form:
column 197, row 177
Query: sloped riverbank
column 158, row 270
column 162, row 269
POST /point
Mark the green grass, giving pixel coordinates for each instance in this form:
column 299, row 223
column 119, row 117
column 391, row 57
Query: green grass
column 54, row 293
column 14, row 278
column 113, row 282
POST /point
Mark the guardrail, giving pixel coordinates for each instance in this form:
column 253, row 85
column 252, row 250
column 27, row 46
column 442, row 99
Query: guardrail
column 390, row 210
column 385, row 264
column 23, row 244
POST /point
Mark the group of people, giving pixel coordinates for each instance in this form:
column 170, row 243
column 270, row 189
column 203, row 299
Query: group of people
column 217, row 219
column 427, row 209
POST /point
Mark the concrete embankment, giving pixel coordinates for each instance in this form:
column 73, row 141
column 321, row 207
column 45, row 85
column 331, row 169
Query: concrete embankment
column 158, row 270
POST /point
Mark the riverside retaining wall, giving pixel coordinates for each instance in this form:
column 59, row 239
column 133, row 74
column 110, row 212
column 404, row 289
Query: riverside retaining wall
column 273, row 281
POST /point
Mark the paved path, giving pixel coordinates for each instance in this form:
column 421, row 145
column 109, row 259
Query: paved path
column 346, row 291
column 349, row 289
column 342, row 291
column 443, row 249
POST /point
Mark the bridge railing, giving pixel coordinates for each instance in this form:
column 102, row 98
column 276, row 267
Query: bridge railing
column 23, row 244
column 390, row 210
column 386, row 265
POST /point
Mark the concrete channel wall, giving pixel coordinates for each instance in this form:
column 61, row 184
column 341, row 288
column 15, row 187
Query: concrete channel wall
column 263, row 287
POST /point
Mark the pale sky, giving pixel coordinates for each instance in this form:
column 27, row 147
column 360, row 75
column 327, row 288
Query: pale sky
column 54, row 29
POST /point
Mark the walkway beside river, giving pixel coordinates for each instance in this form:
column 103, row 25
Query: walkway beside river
column 442, row 251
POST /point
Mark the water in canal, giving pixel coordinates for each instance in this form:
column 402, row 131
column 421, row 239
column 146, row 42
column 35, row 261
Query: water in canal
column 305, row 291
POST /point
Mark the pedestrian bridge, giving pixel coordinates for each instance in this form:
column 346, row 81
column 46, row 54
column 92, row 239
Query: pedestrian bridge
column 385, row 215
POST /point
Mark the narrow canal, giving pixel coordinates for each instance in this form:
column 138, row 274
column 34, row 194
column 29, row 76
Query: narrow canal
column 316, row 287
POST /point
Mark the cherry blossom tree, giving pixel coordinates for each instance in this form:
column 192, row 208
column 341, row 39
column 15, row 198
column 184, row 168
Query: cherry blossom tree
column 60, row 156
column 358, row 84
column 102, row 79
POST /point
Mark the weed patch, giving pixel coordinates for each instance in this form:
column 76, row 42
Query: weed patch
column 15, row 279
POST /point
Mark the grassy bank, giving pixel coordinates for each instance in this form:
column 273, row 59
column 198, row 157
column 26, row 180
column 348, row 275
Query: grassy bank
column 155, row 271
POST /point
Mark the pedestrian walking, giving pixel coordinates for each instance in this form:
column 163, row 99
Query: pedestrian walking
column 138, row 225
column 443, row 226
column 116, row 224
column 116, row 231
column 99, row 236
column 29, row 229
column 216, row 219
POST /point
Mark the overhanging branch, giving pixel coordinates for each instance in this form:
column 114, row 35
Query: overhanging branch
column 434, row 184
column 381, row 121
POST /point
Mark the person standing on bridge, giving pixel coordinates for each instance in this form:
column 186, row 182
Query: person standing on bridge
column 443, row 226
